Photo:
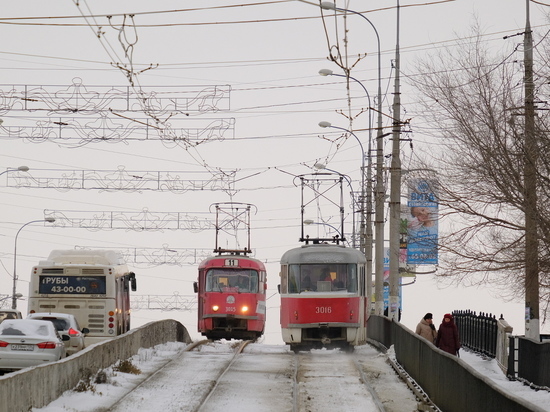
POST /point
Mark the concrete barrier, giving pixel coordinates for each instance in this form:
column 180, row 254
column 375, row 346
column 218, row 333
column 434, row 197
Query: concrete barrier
column 38, row 386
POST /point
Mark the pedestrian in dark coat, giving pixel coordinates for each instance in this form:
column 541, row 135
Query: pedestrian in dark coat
column 447, row 335
column 426, row 328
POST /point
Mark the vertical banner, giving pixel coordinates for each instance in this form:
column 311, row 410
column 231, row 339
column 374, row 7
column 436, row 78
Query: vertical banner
column 387, row 280
column 422, row 222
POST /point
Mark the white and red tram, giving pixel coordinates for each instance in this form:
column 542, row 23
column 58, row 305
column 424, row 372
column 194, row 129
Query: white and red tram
column 323, row 296
column 231, row 297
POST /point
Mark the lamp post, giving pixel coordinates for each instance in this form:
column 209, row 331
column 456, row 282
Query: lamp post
column 14, row 293
column 379, row 198
column 321, row 166
column 19, row 169
column 328, row 124
column 366, row 232
column 311, row 222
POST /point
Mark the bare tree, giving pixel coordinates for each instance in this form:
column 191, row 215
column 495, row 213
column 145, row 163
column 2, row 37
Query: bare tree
column 472, row 103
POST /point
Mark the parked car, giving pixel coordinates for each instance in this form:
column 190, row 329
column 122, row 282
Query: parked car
column 9, row 314
column 29, row 342
column 65, row 324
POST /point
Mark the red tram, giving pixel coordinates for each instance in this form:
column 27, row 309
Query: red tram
column 323, row 287
column 231, row 291
column 323, row 297
column 231, row 286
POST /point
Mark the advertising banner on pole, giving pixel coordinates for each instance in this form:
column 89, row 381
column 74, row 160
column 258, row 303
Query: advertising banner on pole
column 422, row 222
column 387, row 280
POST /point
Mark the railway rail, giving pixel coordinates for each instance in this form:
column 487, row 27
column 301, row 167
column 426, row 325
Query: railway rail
column 234, row 375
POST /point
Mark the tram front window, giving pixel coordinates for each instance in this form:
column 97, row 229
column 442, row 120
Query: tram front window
column 218, row 280
column 322, row 278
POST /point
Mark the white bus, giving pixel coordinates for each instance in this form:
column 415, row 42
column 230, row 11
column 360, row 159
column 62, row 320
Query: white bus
column 92, row 285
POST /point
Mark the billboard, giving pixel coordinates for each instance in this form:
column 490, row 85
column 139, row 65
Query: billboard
column 421, row 222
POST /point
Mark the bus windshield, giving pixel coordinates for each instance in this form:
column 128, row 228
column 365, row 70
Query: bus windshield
column 232, row 280
column 322, row 278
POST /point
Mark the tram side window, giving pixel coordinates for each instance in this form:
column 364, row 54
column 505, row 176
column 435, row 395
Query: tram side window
column 352, row 278
column 293, row 278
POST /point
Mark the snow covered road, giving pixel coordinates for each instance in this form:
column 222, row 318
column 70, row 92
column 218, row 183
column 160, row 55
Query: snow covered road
column 260, row 379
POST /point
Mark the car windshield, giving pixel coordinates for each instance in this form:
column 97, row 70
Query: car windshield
column 7, row 315
column 60, row 324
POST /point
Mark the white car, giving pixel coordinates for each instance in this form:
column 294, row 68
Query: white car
column 9, row 314
column 65, row 324
column 28, row 342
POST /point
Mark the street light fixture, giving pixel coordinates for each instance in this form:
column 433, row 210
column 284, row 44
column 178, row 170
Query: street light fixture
column 14, row 292
column 367, row 238
column 19, row 169
column 321, row 166
column 379, row 199
column 311, row 222
column 328, row 124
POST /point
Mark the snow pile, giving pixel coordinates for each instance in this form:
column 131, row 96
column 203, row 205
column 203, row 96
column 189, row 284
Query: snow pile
column 116, row 384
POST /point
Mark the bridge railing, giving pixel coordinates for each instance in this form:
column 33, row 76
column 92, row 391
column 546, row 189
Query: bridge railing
column 484, row 334
column 38, row 386
column 529, row 362
column 452, row 384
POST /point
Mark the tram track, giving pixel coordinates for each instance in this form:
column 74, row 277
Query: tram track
column 220, row 370
column 331, row 376
column 238, row 350
column 215, row 376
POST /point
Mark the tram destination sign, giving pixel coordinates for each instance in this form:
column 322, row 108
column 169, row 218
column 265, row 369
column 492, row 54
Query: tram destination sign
column 79, row 285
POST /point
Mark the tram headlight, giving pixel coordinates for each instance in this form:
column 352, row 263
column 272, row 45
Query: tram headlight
column 244, row 309
column 215, row 308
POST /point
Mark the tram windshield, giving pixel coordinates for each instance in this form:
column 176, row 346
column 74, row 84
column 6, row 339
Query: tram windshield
column 232, row 280
column 322, row 278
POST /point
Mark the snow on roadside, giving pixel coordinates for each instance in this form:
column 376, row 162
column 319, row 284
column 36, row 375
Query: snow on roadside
column 489, row 368
column 118, row 384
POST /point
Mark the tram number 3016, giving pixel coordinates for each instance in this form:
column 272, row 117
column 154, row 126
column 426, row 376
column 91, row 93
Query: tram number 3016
column 323, row 309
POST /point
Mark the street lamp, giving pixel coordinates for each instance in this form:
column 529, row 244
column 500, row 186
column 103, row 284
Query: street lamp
column 14, row 293
column 321, row 166
column 379, row 200
column 366, row 245
column 19, row 169
column 311, row 222
column 328, row 124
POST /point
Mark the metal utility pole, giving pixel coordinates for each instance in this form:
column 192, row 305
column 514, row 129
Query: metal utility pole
column 395, row 189
column 532, row 321
column 379, row 204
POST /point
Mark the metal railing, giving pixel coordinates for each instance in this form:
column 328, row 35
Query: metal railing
column 450, row 383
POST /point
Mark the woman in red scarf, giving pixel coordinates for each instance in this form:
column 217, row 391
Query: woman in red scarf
column 447, row 335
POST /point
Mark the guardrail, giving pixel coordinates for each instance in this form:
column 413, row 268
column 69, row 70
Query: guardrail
column 452, row 384
column 529, row 362
column 38, row 386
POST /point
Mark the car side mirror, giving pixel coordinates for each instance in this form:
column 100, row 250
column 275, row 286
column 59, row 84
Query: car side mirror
column 65, row 338
column 195, row 287
column 85, row 331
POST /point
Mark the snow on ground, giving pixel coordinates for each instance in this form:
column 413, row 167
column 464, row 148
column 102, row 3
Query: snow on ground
column 150, row 360
column 490, row 369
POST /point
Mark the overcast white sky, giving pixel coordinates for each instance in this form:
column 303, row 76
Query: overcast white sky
column 269, row 54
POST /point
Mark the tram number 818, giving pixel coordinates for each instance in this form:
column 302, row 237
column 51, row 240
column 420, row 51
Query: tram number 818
column 323, row 309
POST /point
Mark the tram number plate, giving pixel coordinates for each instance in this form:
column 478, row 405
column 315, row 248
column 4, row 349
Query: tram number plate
column 230, row 309
column 323, row 309
column 28, row 348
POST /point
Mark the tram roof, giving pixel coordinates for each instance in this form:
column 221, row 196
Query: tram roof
column 255, row 263
column 322, row 253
